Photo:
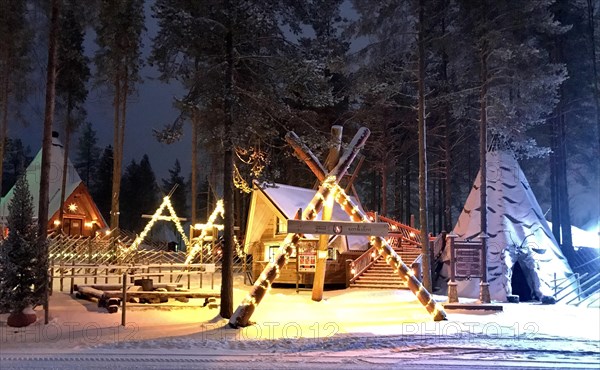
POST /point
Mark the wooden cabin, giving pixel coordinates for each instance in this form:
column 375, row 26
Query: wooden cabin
column 270, row 208
column 81, row 216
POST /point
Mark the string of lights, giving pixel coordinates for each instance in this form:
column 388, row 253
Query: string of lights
column 210, row 223
column 391, row 257
column 166, row 203
column 263, row 284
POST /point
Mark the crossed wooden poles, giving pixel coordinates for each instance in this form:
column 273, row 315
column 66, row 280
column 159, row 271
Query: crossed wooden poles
column 329, row 185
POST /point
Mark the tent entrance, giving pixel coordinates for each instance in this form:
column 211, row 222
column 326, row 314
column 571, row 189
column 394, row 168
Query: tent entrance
column 519, row 283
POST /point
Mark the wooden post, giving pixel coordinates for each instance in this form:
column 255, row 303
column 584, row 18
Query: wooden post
column 297, row 273
column 51, row 280
column 321, row 261
column 189, row 275
column 72, row 276
column 159, row 271
column 95, row 275
column 452, row 289
column 62, row 274
column 124, row 300
column 348, row 272
column 171, row 273
column 106, row 275
column 484, row 286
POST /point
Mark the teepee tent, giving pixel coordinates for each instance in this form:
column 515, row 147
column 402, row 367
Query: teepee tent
column 81, row 215
column 518, row 234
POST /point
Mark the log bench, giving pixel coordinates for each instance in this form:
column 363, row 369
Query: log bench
column 120, row 286
column 109, row 294
column 111, row 299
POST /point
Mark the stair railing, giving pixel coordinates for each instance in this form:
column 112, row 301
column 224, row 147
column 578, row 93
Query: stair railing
column 399, row 230
column 363, row 262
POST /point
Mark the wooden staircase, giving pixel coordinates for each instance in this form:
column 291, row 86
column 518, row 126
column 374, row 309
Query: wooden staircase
column 380, row 275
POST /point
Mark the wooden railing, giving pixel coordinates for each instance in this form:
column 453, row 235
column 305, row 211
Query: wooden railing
column 101, row 250
column 363, row 262
column 112, row 273
column 400, row 231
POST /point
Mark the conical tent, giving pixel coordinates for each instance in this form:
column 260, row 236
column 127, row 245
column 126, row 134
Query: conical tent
column 517, row 230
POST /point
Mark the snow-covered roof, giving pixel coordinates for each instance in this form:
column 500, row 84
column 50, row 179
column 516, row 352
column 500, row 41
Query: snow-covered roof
column 286, row 200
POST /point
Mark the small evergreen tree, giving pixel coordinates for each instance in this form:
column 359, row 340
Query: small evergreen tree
column 88, row 155
column 22, row 266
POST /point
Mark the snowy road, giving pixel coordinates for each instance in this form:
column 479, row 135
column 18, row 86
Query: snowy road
column 348, row 352
column 290, row 361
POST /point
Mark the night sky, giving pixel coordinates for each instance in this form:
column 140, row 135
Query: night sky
column 151, row 108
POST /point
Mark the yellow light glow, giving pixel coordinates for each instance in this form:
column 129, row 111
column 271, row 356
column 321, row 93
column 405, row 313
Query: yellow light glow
column 89, row 225
column 56, row 222
column 73, row 207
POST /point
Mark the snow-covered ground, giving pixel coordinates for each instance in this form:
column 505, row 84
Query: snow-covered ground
column 353, row 328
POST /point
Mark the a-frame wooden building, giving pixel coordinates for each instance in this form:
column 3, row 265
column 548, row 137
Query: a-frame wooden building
column 81, row 216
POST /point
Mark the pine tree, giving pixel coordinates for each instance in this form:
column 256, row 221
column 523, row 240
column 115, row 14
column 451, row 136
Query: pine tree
column 140, row 193
column 23, row 275
column 73, row 73
column 118, row 61
column 88, row 155
column 101, row 188
column 15, row 63
column 17, row 157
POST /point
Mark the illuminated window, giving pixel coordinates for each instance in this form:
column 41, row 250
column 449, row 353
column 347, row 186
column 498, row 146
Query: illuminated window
column 280, row 226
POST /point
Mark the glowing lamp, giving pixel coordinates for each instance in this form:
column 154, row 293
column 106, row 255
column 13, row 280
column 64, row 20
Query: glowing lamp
column 56, row 222
column 72, row 207
column 89, row 225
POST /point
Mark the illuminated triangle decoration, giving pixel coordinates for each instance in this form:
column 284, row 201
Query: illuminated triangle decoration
column 158, row 216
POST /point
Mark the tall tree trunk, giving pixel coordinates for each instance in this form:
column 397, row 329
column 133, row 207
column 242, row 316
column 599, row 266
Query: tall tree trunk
column 563, row 191
column 423, row 153
column 194, row 190
column 447, row 176
column 592, row 32
column 384, row 190
column 116, row 180
column 554, row 194
column 47, row 148
column 407, row 192
column 227, row 264
column 4, row 123
column 440, row 204
column 65, row 168
column 484, row 292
